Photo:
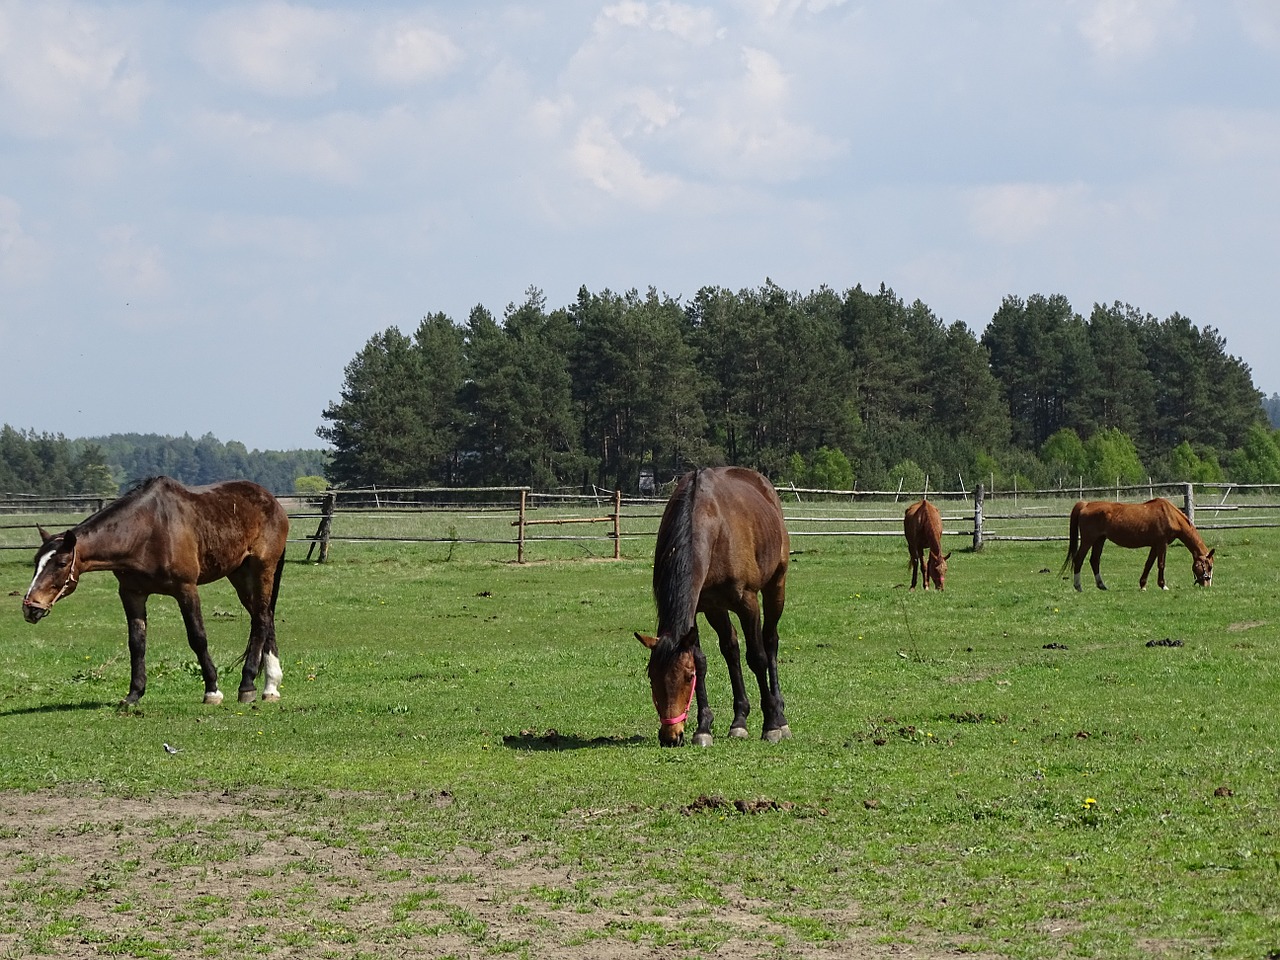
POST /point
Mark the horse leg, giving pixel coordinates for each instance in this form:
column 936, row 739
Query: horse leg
column 1160, row 566
column 774, row 596
column 723, row 626
column 135, row 613
column 702, row 736
column 254, row 586
column 189, row 604
column 1095, row 561
column 1146, row 569
column 748, row 611
column 915, row 566
column 1077, row 561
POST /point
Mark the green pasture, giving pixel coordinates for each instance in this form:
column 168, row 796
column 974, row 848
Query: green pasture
column 1007, row 769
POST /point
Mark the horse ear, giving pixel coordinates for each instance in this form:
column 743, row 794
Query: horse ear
column 45, row 535
column 948, row 556
column 648, row 641
column 1209, row 555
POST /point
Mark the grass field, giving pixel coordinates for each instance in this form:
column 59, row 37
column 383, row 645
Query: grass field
column 465, row 764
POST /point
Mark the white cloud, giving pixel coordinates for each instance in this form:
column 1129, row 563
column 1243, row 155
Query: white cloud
column 337, row 148
column 1019, row 212
column 786, row 9
column 62, row 68
column 1216, row 138
column 695, row 25
column 1261, row 21
column 745, row 133
column 408, row 53
column 24, row 261
column 1122, row 29
column 278, row 49
column 600, row 158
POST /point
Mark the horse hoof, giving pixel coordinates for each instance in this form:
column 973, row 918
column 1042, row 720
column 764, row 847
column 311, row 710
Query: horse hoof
column 738, row 733
column 702, row 739
column 773, row 736
column 213, row 698
column 270, row 697
column 248, row 696
column 785, row 731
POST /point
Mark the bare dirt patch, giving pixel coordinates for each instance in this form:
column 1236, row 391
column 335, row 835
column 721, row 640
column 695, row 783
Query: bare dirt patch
column 220, row 874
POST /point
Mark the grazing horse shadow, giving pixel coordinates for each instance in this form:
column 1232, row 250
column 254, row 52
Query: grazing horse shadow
column 56, row 708
column 531, row 741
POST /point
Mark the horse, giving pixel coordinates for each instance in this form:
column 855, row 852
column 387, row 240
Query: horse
column 163, row 537
column 1155, row 524
column 721, row 542
column 922, row 526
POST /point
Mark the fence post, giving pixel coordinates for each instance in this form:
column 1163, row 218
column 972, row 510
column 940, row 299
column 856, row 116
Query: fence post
column 617, row 524
column 978, row 495
column 1189, row 501
column 327, row 508
column 520, row 535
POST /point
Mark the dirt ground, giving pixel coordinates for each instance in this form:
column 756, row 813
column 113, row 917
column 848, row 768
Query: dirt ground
column 84, row 875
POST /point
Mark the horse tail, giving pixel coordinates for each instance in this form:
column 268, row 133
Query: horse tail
column 1073, row 539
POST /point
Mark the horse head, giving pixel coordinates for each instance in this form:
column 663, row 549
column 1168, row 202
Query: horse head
column 936, row 568
column 55, row 575
column 673, row 675
column 1202, row 568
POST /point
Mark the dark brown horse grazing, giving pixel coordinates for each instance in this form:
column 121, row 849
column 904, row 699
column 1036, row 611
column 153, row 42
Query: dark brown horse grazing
column 162, row 537
column 722, row 541
column 922, row 526
column 1155, row 524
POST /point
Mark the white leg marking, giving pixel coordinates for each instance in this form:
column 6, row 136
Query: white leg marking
column 214, row 698
column 271, row 666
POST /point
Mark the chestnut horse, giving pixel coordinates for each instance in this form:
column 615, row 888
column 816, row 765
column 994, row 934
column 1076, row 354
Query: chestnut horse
column 922, row 526
column 162, row 537
column 1155, row 524
column 722, row 541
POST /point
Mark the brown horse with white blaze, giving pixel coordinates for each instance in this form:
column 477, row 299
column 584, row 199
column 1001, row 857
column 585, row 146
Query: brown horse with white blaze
column 163, row 537
column 922, row 526
column 1155, row 524
column 722, row 547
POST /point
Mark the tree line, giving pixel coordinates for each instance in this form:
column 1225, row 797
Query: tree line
column 821, row 389
column 52, row 465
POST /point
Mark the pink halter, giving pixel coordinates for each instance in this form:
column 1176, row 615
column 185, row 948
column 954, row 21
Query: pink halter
column 666, row 722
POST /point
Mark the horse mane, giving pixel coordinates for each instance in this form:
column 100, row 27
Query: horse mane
column 126, row 501
column 673, row 588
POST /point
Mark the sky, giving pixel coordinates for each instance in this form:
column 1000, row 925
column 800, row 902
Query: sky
column 207, row 209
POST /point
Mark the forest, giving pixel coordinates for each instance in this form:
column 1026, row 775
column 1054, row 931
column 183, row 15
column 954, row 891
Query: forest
column 837, row 391
column 859, row 389
column 52, row 465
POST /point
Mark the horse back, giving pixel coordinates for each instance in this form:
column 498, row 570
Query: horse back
column 203, row 533
column 743, row 518
column 1146, row 524
column 922, row 525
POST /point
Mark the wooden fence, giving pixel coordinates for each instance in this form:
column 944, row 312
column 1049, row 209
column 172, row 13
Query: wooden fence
column 567, row 525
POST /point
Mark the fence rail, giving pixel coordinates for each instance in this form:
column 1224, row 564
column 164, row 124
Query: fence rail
column 521, row 519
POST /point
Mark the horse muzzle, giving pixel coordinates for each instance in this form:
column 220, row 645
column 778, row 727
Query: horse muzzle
column 671, row 736
column 33, row 612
